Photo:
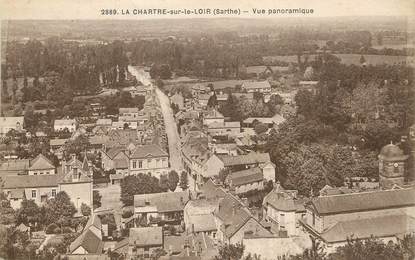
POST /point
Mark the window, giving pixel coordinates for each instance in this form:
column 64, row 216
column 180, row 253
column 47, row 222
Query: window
column 33, row 193
column 53, row 193
column 134, row 164
column 140, row 164
column 314, row 219
column 35, row 173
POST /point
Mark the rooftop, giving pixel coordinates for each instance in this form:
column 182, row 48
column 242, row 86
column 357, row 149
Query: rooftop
column 251, row 158
column 164, row 202
column 146, row 236
column 148, row 151
column 363, row 201
column 246, row 176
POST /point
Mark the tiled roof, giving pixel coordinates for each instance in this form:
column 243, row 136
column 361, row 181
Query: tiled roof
column 363, row 201
column 31, row 181
column 41, row 163
column 164, row 202
column 246, row 176
column 386, row 226
column 146, row 236
column 145, row 151
column 112, row 152
column 251, row 158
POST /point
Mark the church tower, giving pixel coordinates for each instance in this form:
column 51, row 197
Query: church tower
column 392, row 164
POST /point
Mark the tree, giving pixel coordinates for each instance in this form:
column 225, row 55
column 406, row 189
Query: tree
column 173, row 180
column 29, row 213
column 85, row 210
column 223, row 174
column 183, row 180
column 230, row 252
column 164, row 183
column 59, row 209
column 260, row 128
column 96, row 197
column 77, row 146
column 165, row 72
column 138, row 184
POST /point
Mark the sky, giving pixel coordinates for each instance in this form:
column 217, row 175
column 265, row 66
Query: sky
column 90, row 9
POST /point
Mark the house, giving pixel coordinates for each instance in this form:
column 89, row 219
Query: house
column 199, row 89
column 198, row 216
column 178, row 99
column 141, row 243
column 149, row 159
column 128, row 111
column 97, row 143
column 115, row 158
column 256, row 86
column 309, row 85
column 274, row 247
column 165, row 206
column 9, row 123
column 224, row 128
column 269, row 121
column 62, row 124
column 104, row 122
column 56, row 146
column 283, row 209
column 240, row 162
column 90, row 241
column 234, row 221
column 126, row 138
column 213, row 116
column 333, row 219
column 246, row 180
column 203, row 100
column 124, row 125
column 41, row 165
column 224, row 148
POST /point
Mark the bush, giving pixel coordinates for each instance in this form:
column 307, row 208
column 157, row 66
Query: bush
column 51, row 228
column 67, row 230
column 127, row 214
column 85, row 210
column 57, row 230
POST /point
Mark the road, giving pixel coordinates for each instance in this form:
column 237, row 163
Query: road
column 170, row 125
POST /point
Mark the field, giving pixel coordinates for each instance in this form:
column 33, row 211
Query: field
column 353, row 59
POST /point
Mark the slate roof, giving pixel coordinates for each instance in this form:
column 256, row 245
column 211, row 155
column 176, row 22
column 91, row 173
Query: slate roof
column 202, row 223
column 256, row 85
column 246, row 176
column 89, row 241
column 146, row 236
column 10, row 166
column 57, row 142
column 365, row 228
column 251, row 158
column 284, row 201
column 150, row 150
column 41, row 163
column 216, row 125
column 363, row 201
column 164, row 201
column 31, row 181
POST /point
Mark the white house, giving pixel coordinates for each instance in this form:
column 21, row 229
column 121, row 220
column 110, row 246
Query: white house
column 62, row 124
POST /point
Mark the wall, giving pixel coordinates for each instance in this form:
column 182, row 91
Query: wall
column 212, row 166
column 287, row 219
column 269, row 172
column 155, row 166
column 329, row 220
column 83, row 191
column 43, row 171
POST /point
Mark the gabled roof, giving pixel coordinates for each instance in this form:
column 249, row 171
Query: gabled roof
column 251, row 158
column 41, row 163
column 246, row 176
column 363, row 201
column 284, row 201
column 31, row 181
column 89, row 241
column 386, row 226
column 148, row 151
column 164, row 201
column 14, row 165
column 255, row 84
column 146, row 236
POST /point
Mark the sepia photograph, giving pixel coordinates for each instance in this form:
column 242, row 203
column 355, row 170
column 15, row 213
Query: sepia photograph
column 196, row 130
